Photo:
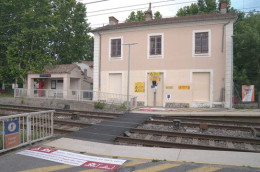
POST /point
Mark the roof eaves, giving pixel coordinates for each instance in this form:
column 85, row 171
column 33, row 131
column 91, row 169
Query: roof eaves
column 163, row 21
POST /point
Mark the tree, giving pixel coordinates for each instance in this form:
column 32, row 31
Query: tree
column 140, row 16
column 201, row 7
column 247, row 51
column 70, row 42
column 35, row 33
column 157, row 15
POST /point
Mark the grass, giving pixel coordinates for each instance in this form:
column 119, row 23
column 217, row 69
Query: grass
column 6, row 95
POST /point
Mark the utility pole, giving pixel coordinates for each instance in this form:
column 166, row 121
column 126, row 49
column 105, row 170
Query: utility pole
column 128, row 73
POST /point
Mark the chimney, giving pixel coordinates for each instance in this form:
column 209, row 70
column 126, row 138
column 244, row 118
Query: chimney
column 113, row 21
column 148, row 13
column 223, row 7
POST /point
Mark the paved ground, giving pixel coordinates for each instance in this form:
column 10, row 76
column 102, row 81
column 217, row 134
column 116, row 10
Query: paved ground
column 108, row 130
column 12, row 162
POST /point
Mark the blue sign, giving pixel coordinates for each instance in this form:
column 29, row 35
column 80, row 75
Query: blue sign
column 11, row 127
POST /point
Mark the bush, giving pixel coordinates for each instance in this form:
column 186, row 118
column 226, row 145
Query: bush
column 99, row 105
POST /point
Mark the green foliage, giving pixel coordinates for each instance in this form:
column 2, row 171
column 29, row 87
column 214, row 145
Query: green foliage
column 122, row 107
column 140, row 16
column 202, row 7
column 35, row 33
column 155, row 160
column 99, row 105
column 247, row 51
column 157, row 15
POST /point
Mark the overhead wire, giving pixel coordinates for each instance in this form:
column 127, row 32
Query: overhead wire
column 141, row 8
column 128, row 6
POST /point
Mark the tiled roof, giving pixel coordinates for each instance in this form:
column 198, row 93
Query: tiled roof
column 64, row 68
column 89, row 63
column 201, row 17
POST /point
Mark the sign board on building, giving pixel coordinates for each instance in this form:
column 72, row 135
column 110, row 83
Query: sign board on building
column 139, row 87
column 168, row 96
column 155, row 73
column 169, row 87
column 154, row 78
column 248, row 93
column 45, row 75
column 183, row 87
column 11, row 134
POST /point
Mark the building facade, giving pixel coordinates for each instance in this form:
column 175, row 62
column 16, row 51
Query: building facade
column 177, row 62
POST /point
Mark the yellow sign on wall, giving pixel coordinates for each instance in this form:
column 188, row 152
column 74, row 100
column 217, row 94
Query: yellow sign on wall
column 183, row 87
column 155, row 73
column 169, row 87
column 155, row 79
column 139, row 87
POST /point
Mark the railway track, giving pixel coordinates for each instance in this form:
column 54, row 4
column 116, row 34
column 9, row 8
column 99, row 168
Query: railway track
column 238, row 122
column 189, row 141
column 66, row 121
column 210, row 125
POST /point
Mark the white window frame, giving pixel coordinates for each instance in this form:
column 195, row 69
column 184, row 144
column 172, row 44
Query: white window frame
column 209, row 44
column 109, row 51
column 148, row 46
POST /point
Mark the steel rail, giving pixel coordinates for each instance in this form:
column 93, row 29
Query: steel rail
column 198, row 136
column 128, row 140
column 206, row 120
column 231, row 127
column 63, row 110
column 103, row 116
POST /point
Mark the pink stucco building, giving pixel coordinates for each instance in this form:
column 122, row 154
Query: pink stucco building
column 178, row 62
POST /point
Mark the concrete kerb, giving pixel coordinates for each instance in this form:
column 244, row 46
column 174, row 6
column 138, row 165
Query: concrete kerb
column 149, row 153
column 191, row 114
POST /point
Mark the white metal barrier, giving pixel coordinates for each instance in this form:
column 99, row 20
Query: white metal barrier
column 22, row 129
column 79, row 95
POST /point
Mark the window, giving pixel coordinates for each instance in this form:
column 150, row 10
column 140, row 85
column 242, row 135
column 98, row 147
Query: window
column 201, row 42
column 115, row 48
column 53, row 84
column 155, row 45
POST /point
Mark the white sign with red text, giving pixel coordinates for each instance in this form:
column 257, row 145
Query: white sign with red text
column 74, row 159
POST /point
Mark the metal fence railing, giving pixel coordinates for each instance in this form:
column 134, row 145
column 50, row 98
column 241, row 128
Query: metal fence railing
column 22, row 129
column 79, row 95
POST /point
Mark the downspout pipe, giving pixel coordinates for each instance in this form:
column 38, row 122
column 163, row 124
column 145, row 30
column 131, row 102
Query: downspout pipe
column 99, row 63
column 223, row 30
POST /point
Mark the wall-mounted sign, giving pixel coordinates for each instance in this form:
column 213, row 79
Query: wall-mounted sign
column 154, row 79
column 45, row 75
column 155, row 73
column 139, row 87
column 183, row 87
column 168, row 96
column 248, row 93
column 169, row 87
column 11, row 133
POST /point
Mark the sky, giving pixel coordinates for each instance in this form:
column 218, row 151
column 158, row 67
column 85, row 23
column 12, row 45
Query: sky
column 168, row 8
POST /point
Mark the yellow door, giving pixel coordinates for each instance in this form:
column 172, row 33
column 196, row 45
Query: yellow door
column 201, row 86
column 155, row 89
column 115, row 83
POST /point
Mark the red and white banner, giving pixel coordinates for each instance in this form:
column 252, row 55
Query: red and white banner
column 248, row 93
column 74, row 159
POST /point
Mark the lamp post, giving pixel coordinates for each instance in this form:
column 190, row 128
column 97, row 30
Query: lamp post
column 128, row 73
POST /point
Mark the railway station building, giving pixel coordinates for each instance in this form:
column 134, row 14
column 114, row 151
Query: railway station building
column 61, row 81
column 177, row 62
